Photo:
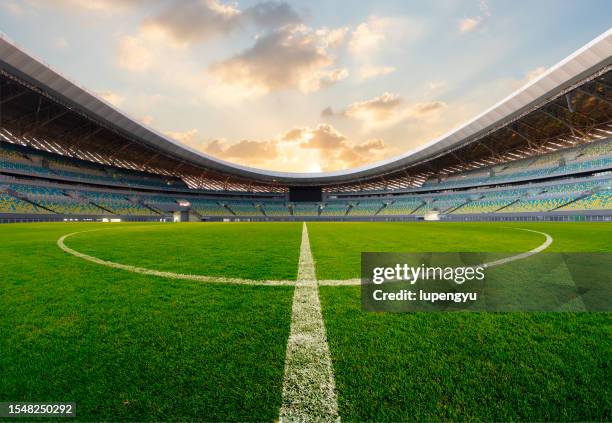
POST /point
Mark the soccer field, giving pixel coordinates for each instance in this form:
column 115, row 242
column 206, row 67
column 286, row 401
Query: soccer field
column 98, row 330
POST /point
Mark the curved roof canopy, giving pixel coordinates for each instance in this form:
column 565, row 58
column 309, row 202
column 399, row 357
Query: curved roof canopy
column 586, row 61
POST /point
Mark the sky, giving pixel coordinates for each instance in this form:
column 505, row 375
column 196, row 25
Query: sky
column 305, row 85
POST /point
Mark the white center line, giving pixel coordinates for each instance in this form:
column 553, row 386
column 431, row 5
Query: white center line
column 309, row 391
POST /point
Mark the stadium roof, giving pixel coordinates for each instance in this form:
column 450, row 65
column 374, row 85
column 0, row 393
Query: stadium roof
column 594, row 57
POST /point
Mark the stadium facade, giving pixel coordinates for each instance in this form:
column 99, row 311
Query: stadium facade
column 542, row 153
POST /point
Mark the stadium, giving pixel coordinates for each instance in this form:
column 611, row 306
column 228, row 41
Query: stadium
column 145, row 280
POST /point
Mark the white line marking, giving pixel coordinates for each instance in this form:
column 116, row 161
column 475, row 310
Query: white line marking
column 340, row 282
column 309, row 391
column 545, row 245
column 538, row 249
column 171, row 275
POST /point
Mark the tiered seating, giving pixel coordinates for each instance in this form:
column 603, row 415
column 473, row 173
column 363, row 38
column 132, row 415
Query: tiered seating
column 72, row 206
column 139, row 178
column 475, row 177
column 586, row 165
column 306, row 209
column 483, row 206
column 160, row 202
column 56, row 162
column 547, row 160
column 22, row 166
column 334, row 208
column 56, row 200
column 596, row 155
column 275, row 208
column 117, row 204
column 244, row 208
column 537, row 204
column 9, row 152
column 598, row 201
column 10, row 204
column 597, row 149
column 13, row 157
column 442, row 203
column 402, row 206
column 365, row 207
column 85, row 177
column 209, row 208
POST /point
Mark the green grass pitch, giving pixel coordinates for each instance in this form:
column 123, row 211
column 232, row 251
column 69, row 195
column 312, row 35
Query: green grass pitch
column 128, row 346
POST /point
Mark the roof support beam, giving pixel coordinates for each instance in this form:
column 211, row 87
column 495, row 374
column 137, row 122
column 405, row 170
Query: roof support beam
column 573, row 111
column 595, row 95
column 5, row 100
column 530, row 142
column 45, row 123
column 571, row 127
column 80, row 141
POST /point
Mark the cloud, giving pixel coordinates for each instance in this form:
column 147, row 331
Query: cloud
column 471, row 23
column 271, row 14
column 323, row 137
column 334, row 150
column 468, row 24
column 370, row 36
column 190, row 138
column 380, row 108
column 134, row 53
column 293, row 57
column 300, row 149
column 101, row 7
column 333, row 38
column 246, row 149
column 252, row 153
column 151, row 45
column 112, row 98
column 370, row 71
column 184, row 22
column 378, row 35
column 385, row 110
column 188, row 21
column 422, row 109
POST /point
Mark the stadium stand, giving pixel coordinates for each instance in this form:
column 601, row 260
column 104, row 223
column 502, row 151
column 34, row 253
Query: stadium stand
column 305, row 209
column 544, row 151
column 244, row 208
column 276, row 208
column 402, row 206
column 597, row 155
column 117, row 204
column 365, row 207
column 335, row 208
column 209, row 208
column 13, row 204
